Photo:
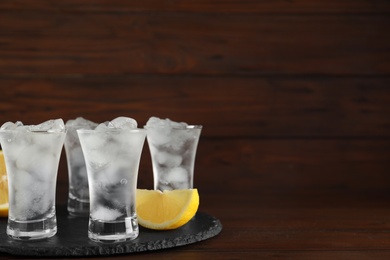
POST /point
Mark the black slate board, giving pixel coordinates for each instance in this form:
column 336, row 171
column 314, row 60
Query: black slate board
column 72, row 238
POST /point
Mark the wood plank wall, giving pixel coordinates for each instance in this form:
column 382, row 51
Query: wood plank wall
column 284, row 89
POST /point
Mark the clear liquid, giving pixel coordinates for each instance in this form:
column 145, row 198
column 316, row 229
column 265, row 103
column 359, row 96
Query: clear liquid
column 113, row 231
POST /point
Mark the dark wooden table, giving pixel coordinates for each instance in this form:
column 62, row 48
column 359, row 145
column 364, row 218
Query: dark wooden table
column 294, row 157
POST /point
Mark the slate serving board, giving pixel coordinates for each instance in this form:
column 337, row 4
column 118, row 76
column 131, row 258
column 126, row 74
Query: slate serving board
column 72, row 238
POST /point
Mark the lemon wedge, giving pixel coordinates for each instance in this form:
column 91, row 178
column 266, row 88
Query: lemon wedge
column 3, row 188
column 166, row 210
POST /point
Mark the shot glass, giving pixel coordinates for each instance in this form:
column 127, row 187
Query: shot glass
column 32, row 155
column 173, row 149
column 112, row 158
column 78, row 194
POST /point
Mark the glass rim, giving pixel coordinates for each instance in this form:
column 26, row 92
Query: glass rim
column 134, row 130
column 33, row 132
column 175, row 127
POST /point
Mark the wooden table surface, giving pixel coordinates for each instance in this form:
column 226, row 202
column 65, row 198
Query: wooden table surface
column 294, row 157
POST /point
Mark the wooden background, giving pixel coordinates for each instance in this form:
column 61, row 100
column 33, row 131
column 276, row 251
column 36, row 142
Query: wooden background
column 293, row 96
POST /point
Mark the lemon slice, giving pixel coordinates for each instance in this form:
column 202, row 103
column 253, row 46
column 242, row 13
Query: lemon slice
column 3, row 188
column 166, row 210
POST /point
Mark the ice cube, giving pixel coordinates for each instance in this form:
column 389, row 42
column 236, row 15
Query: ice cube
column 36, row 202
column 106, row 214
column 158, row 137
column 102, row 126
column 81, row 122
column 40, row 164
column 11, row 125
column 177, row 174
column 22, row 208
column 80, row 176
column 17, row 147
column 164, row 123
column 18, row 124
column 76, row 156
column 163, row 186
column 178, row 125
column 168, row 159
column 166, row 131
column 93, row 141
column 27, row 158
column 52, row 125
column 109, row 153
column 21, row 180
column 179, row 138
column 112, row 172
column 180, row 185
column 47, row 143
column 41, row 199
column 72, row 125
column 154, row 122
column 123, row 123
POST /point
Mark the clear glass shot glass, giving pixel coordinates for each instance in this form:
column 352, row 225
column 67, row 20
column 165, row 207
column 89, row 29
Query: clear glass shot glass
column 173, row 151
column 112, row 158
column 78, row 194
column 32, row 157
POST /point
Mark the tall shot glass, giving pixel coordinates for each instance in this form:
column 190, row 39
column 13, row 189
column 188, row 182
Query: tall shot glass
column 112, row 158
column 173, row 149
column 32, row 155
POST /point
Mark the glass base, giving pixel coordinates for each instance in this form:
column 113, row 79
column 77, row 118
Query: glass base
column 78, row 207
column 113, row 231
column 32, row 229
